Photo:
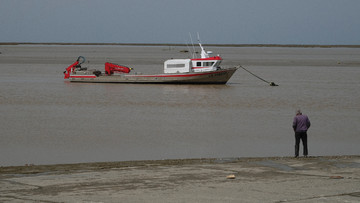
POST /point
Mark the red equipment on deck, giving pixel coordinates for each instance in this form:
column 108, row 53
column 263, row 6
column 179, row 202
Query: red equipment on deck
column 110, row 68
column 72, row 67
column 69, row 69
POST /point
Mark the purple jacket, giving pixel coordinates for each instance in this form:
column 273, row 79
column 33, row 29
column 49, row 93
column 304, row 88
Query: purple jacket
column 301, row 123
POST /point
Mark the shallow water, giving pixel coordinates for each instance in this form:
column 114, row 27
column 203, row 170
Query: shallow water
column 46, row 120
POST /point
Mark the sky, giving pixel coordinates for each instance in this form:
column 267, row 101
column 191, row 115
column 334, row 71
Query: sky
column 170, row 21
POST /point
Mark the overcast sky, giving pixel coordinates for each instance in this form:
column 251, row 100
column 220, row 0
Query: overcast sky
column 171, row 21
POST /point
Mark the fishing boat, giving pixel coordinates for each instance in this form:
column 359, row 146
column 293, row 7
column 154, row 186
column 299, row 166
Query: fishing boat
column 203, row 70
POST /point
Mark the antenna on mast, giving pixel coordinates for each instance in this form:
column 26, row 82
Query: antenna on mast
column 188, row 49
column 198, row 37
column 194, row 53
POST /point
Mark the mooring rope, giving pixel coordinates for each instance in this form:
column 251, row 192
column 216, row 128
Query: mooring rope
column 270, row 83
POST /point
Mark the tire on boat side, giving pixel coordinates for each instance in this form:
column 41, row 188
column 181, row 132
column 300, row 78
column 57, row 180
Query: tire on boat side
column 97, row 73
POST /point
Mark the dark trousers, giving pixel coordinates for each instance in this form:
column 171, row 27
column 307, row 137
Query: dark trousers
column 303, row 137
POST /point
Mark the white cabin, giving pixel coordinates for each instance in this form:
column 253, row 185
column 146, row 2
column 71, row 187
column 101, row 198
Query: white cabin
column 206, row 64
column 203, row 64
column 177, row 66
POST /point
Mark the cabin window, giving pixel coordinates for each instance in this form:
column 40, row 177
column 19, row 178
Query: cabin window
column 208, row 63
column 198, row 63
column 179, row 65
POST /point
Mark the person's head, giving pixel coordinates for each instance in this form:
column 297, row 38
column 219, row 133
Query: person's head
column 298, row 112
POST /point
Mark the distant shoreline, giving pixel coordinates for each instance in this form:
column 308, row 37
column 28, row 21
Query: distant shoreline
column 167, row 44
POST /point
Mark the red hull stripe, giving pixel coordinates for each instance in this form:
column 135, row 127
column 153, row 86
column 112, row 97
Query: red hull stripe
column 200, row 67
column 176, row 75
column 82, row 76
column 207, row 59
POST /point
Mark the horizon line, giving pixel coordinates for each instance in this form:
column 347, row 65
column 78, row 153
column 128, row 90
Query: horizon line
column 178, row 44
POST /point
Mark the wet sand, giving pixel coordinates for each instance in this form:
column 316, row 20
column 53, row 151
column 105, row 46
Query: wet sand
column 276, row 179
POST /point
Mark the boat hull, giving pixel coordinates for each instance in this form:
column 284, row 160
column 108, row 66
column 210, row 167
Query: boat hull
column 212, row 77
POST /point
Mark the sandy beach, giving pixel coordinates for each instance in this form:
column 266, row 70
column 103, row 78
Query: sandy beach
column 276, row 179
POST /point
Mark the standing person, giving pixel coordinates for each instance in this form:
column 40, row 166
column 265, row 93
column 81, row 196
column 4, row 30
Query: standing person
column 300, row 125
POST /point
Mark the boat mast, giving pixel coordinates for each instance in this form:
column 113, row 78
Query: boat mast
column 194, row 53
column 204, row 54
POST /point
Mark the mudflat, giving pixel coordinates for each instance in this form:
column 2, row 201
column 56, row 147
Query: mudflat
column 48, row 120
column 276, row 179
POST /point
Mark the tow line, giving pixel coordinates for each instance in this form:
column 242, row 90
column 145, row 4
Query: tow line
column 270, row 83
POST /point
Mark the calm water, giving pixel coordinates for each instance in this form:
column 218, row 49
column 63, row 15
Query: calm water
column 46, row 120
